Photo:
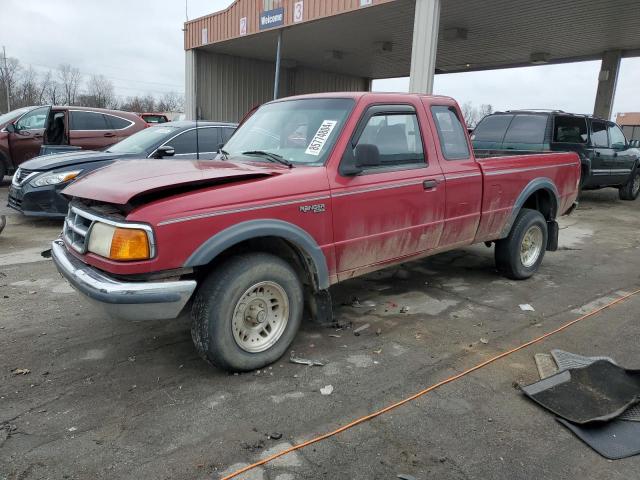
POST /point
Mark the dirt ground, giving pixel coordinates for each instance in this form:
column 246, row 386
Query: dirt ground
column 108, row 399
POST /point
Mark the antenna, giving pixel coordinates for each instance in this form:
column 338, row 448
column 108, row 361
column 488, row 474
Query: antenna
column 197, row 135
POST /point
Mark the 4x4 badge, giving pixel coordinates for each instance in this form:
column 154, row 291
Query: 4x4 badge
column 317, row 208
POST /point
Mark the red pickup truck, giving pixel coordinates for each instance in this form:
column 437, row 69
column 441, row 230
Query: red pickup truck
column 309, row 191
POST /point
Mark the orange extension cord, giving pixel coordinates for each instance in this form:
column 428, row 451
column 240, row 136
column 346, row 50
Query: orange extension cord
column 426, row 390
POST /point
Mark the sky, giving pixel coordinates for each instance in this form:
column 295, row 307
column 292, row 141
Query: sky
column 138, row 44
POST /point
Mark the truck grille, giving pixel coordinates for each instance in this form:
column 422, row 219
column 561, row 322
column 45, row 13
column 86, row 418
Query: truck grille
column 76, row 229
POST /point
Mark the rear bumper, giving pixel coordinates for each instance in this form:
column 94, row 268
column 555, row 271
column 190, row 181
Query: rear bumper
column 125, row 300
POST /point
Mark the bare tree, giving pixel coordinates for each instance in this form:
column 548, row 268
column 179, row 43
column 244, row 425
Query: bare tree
column 100, row 93
column 469, row 113
column 70, row 81
column 9, row 76
column 170, row 102
column 27, row 88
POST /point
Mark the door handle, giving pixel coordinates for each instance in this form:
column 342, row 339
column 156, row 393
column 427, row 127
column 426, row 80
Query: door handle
column 109, row 134
column 429, row 184
column 597, row 154
column 615, row 154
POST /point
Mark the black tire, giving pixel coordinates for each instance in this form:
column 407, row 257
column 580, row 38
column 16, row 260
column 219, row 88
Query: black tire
column 216, row 299
column 630, row 190
column 508, row 250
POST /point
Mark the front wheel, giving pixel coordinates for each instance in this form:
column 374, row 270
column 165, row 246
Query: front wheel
column 520, row 254
column 247, row 312
column 631, row 189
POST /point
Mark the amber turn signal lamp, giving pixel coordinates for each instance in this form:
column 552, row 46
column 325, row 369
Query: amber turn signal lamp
column 129, row 244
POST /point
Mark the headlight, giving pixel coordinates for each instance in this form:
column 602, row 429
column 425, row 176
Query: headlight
column 118, row 243
column 54, row 178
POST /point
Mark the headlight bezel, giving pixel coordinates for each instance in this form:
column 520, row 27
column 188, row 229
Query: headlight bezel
column 63, row 176
column 113, row 227
column 114, row 224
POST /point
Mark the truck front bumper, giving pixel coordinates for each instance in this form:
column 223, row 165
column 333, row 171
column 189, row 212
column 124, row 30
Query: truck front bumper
column 125, row 300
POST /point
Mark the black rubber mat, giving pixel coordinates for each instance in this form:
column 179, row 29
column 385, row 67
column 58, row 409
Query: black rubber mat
column 600, row 391
column 566, row 360
column 614, row 440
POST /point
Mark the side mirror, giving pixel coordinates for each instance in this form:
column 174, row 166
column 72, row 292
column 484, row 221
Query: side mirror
column 11, row 128
column 165, row 151
column 220, row 147
column 367, row 155
column 355, row 160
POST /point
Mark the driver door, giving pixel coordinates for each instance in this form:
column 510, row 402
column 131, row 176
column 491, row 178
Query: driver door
column 26, row 140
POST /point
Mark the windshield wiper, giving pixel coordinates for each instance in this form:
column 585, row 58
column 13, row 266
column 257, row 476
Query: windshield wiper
column 273, row 157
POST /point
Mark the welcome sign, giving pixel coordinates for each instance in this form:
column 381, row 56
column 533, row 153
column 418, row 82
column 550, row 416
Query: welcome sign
column 272, row 18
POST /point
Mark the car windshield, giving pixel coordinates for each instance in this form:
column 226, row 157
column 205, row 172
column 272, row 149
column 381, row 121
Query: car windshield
column 144, row 140
column 12, row 115
column 300, row 131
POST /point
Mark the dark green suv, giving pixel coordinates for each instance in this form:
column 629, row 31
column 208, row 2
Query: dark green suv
column 608, row 160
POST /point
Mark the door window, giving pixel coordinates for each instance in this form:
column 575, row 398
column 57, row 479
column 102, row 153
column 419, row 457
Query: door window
column 491, row 129
column 185, row 143
column 88, row 121
column 599, row 136
column 617, row 137
column 397, row 137
column 526, row 131
column 209, row 139
column 226, row 134
column 33, row 120
column 118, row 123
column 451, row 133
column 570, row 130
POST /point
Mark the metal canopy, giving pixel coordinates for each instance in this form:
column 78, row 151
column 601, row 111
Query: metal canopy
column 375, row 42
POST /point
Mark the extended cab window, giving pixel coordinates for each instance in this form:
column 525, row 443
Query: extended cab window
column 617, row 137
column 88, row 121
column 599, row 137
column 451, row 133
column 526, row 132
column 570, row 130
column 397, row 138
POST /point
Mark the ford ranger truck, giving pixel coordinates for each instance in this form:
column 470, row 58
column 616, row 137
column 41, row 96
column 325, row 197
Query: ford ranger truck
column 310, row 191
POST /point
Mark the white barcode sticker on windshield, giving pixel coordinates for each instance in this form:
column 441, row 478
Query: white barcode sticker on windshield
column 320, row 138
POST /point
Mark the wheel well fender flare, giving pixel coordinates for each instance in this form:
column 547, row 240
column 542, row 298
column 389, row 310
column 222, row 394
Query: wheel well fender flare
column 535, row 185
column 253, row 229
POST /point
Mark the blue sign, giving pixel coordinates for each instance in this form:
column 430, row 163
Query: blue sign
column 272, row 18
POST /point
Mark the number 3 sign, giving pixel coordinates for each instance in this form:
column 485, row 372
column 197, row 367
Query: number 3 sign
column 298, row 11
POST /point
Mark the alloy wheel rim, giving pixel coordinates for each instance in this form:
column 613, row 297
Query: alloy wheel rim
column 260, row 317
column 531, row 246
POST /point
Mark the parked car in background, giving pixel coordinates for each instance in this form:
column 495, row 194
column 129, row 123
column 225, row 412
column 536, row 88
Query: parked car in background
column 24, row 131
column 154, row 118
column 309, row 191
column 36, row 186
column 607, row 158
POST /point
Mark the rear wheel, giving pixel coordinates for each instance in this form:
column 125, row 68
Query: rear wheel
column 3, row 169
column 247, row 312
column 520, row 254
column 631, row 189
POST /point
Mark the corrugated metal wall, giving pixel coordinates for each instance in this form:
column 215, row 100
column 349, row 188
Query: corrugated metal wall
column 306, row 80
column 227, row 87
column 225, row 25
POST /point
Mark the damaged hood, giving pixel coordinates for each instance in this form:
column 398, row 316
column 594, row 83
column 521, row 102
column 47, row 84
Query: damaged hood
column 118, row 183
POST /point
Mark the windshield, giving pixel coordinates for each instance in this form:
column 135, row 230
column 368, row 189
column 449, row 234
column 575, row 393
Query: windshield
column 143, row 140
column 12, row 115
column 300, row 131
